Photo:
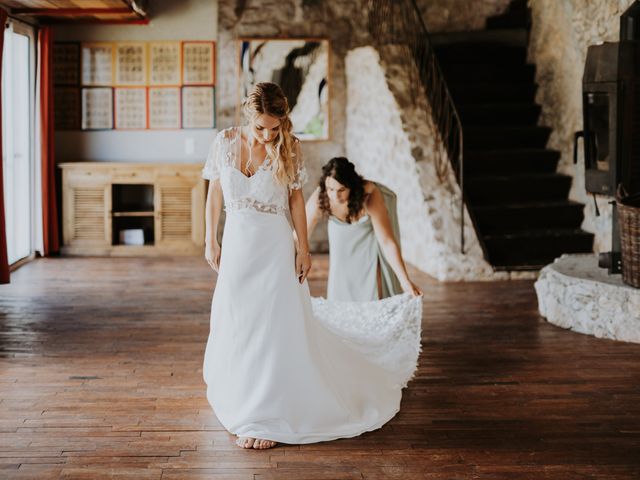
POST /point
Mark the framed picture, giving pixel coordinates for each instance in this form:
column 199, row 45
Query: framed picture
column 130, row 108
column 301, row 68
column 164, row 107
column 97, row 64
column 97, row 108
column 131, row 63
column 198, row 107
column 134, row 85
column 164, row 63
column 198, row 63
column 67, row 108
column 66, row 63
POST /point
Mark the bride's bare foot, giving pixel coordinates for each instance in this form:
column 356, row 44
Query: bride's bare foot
column 256, row 443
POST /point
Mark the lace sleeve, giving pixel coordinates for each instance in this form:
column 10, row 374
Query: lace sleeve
column 211, row 169
column 301, row 171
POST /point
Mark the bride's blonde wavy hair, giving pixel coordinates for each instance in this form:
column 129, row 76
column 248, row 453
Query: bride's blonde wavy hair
column 268, row 99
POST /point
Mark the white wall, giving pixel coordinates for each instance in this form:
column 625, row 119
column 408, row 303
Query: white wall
column 169, row 20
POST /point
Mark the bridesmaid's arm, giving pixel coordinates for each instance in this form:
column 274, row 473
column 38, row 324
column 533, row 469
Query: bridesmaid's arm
column 299, row 219
column 377, row 211
column 313, row 211
column 212, row 216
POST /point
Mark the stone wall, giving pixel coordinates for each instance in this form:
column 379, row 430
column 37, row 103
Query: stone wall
column 391, row 139
column 561, row 33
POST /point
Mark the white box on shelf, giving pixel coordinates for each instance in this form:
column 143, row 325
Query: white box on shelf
column 132, row 236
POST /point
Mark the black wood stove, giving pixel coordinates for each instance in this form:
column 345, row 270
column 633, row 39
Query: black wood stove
column 611, row 120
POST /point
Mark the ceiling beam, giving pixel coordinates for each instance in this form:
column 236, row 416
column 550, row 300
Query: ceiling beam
column 71, row 12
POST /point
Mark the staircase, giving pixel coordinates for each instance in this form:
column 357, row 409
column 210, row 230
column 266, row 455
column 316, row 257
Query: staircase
column 520, row 204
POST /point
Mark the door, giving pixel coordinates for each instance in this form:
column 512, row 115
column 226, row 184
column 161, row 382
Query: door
column 86, row 206
column 178, row 212
column 18, row 153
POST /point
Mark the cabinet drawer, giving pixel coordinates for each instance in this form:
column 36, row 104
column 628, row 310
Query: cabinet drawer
column 132, row 176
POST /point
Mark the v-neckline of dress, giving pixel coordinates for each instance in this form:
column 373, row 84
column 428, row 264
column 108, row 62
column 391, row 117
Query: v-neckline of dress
column 263, row 166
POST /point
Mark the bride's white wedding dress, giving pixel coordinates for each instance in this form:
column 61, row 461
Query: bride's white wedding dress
column 280, row 365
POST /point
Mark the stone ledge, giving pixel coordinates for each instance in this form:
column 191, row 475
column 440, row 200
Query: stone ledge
column 574, row 293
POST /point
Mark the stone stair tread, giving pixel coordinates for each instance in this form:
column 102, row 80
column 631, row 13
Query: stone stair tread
column 515, row 152
column 507, row 128
column 539, row 233
column 517, row 176
column 528, row 205
column 463, row 84
column 507, row 36
column 500, row 105
column 492, row 104
column 516, row 16
column 488, row 72
column 495, row 137
column 499, row 114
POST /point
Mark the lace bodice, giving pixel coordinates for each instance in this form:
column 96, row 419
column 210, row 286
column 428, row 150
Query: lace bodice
column 261, row 191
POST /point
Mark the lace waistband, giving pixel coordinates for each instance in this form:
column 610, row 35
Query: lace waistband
column 251, row 204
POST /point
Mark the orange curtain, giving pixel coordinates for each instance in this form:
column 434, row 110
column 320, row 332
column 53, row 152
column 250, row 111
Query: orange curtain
column 4, row 259
column 50, row 232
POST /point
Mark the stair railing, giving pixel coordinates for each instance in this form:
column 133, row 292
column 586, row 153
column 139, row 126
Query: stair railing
column 400, row 22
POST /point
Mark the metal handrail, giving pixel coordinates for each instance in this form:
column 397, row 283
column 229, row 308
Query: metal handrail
column 401, row 22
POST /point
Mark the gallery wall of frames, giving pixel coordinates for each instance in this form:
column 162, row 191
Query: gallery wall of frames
column 164, row 85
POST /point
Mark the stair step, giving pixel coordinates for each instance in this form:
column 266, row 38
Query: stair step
column 470, row 92
column 496, row 219
column 535, row 248
column 503, row 189
column 471, row 54
column 516, row 16
column 501, row 137
column 484, row 162
column 499, row 114
column 518, row 37
column 488, row 72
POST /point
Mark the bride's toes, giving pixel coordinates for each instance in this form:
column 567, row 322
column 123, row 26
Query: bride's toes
column 263, row 444
column 246, row 442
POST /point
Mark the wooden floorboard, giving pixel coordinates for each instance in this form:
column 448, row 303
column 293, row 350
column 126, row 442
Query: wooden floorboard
column 101, row 377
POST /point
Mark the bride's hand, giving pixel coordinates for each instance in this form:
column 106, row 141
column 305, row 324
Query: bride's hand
column 412, row 288
column 303, row 265
column 212, row 254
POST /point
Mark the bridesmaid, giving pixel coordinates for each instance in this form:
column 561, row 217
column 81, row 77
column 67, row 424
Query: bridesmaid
column 365, row 262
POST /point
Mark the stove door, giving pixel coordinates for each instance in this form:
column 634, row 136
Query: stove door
column 599, row 110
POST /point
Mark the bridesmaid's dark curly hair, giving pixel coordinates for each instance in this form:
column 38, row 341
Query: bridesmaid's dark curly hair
column 344, row 172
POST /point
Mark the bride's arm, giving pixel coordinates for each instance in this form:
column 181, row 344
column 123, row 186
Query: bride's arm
column 212, row 216
column 299, row 219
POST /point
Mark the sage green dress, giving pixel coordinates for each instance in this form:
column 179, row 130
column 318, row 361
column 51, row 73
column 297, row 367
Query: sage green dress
column 354, row 256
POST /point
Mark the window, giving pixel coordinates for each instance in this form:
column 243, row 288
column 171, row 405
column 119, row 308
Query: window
column 18, row 90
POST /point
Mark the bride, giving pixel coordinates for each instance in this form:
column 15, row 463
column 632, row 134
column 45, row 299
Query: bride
column 279, row 365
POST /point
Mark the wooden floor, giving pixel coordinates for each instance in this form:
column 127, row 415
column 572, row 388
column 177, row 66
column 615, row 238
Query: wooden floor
column 100, row 377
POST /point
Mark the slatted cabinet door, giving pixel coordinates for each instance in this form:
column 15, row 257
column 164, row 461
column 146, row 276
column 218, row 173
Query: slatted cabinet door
column 179, row 200
column 86, row 203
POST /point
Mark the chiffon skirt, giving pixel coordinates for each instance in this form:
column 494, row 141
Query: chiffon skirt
column 282, row 366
